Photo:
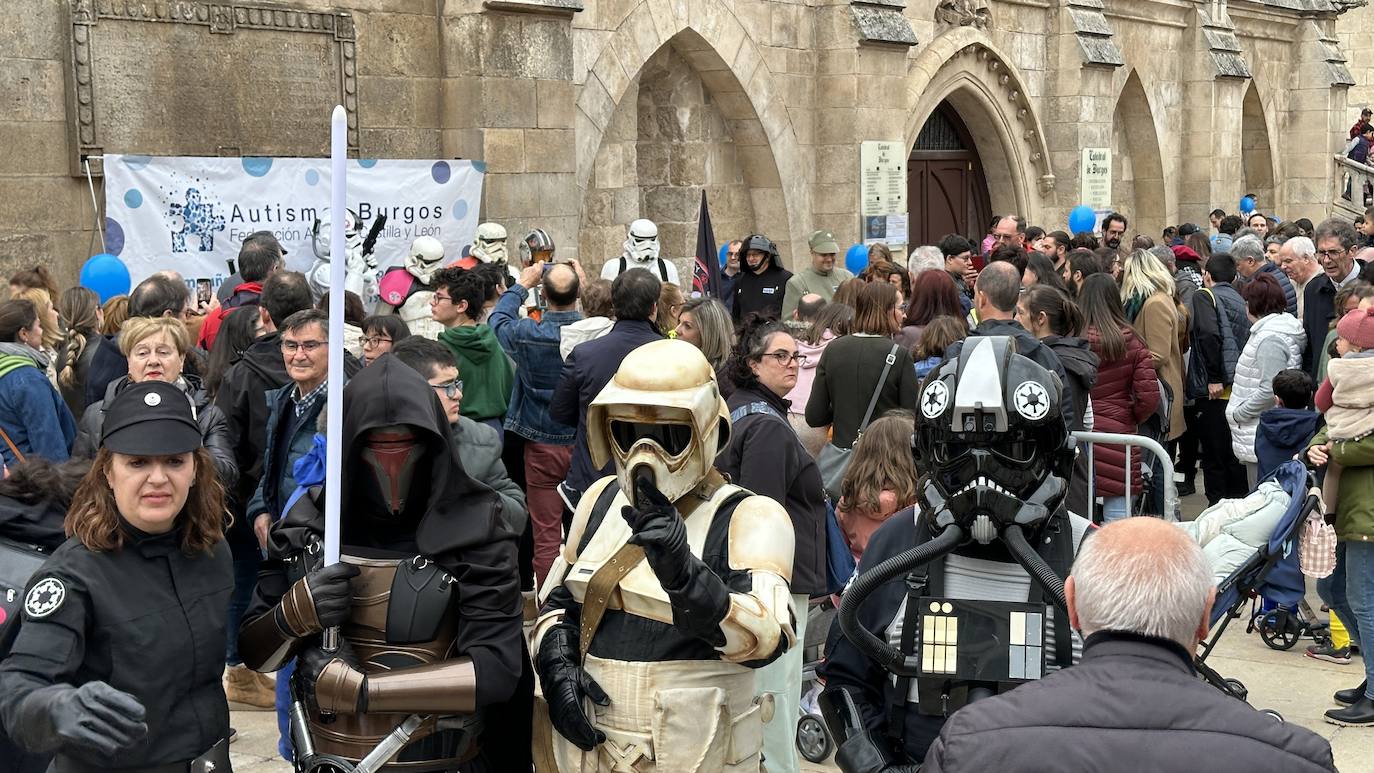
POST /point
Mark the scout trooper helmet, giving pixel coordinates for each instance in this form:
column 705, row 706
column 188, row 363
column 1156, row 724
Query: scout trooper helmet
column 661, row 413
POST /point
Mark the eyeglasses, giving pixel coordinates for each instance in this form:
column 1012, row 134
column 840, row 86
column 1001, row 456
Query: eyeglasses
column 372, row 342
column 785, row 358
column 1004, row 237
column 1330, row 254
column 309, row 347
column 450, row 389
column 437, row 298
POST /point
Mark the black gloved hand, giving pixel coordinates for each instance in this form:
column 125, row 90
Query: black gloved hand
column 331, row 593
column 699, row 598
column 96, row 717
column 660, row 531
column 565, row 685
column 312, row 660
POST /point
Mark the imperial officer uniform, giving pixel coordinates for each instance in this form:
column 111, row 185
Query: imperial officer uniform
column 117, row 661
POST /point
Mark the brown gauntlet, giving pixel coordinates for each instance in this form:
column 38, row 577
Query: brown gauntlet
column 273, row 638
column 449, row 687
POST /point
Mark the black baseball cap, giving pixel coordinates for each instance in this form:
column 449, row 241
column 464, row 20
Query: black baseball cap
column 152, row 418
column 1188, row 229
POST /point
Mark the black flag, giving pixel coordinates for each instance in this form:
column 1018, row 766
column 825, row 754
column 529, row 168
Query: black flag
column 706, row 270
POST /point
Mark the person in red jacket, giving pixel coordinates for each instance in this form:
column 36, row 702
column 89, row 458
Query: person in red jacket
column 1126, row 392
column 258, row 258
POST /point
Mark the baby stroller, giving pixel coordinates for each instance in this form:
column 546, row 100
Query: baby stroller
column 813, row 740
column 1273, row 572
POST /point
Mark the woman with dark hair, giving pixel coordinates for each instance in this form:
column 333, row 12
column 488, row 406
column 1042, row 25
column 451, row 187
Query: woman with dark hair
column 1200, row 244
column 1126, row 392
column 933, row 295
column 78, row 309
column 1276, row 343
column 117, row 663
column 1041, row 271
column 241, row 326
column 34, row 497
column 380, row 333
column 1051, row 316
column 34, row 420
column 856, row 367
column 765, row 457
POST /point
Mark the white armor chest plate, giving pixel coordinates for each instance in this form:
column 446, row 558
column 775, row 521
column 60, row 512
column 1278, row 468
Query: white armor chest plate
column 639, row 593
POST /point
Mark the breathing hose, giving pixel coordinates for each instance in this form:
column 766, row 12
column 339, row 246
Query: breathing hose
column 871, row 646
column 1035, row 566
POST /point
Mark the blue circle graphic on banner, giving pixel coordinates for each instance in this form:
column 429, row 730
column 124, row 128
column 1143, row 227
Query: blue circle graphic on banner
column 367, row 163
column 136, row 162
column 440, row 172
column 114, row 236
column 312, row 177
column 257, row 166
column 133, row 198
column 460, row 209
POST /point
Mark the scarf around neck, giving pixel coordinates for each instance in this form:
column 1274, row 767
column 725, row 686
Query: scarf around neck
column 39, row 358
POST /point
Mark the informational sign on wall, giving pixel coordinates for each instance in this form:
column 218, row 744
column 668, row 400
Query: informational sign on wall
column 882, row 184
column 191, row 214
column 1095, row 178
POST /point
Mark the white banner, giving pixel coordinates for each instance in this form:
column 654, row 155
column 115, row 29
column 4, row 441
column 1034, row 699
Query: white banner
column 191, row 214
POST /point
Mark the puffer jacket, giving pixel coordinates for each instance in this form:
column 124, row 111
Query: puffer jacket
column 806, row 374
column 1133, row 703
column 1276, row 342
column 214, row 427
column 1126, row 393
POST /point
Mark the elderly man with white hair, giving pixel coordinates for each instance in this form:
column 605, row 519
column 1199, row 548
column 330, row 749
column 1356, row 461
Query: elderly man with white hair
column 1141, row 594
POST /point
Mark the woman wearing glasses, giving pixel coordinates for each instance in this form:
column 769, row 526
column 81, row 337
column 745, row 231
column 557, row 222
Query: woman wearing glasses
column 156, row 350
column 380, row 333
column 765, row 457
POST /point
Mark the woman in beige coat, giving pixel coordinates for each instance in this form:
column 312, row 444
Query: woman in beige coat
column 1147, row 293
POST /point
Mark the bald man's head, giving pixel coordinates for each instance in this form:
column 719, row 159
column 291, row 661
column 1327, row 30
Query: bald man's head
column 1142, row 576
column 1000, row 284
column 809, row 306
column 560, row 287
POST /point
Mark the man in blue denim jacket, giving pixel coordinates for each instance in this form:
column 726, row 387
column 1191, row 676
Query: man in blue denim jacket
column 533, row 344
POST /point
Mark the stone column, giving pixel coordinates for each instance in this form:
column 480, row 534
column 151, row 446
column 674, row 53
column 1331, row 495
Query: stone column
column 1213, row 91
column 1318, row 120
column 508, row 102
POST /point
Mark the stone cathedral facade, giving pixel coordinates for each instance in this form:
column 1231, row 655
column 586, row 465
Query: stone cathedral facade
column 590, row 113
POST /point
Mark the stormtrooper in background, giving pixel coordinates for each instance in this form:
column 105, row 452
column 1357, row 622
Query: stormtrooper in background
column 489, row 246
column 360, row 265
column 641, row 251
column 406, row 289
column 671, row 588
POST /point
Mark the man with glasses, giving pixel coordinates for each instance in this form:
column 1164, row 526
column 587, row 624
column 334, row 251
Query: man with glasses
column 479, row 446
column 1335, row 252
column 457, row 304
column 729, row 273
column 1010, row 231
column 292, row 413
column 958, row 252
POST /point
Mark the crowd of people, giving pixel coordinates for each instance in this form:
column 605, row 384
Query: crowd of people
column 1235, row 350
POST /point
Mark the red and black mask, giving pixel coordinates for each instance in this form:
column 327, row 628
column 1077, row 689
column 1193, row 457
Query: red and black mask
column 392, row 458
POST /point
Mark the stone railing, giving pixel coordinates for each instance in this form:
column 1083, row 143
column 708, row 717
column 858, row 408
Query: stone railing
column 1354, row 187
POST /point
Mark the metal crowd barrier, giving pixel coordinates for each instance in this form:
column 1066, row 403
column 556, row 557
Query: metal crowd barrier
column 1089, row 439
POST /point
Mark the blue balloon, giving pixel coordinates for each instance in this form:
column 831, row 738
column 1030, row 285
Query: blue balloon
column 1082, row 218
column 720, row 256
column 856, row 259
column 1247, row 205
column 105, row 275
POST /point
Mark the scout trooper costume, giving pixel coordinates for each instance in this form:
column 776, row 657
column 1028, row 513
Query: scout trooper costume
column 360, row 263
column 663, row 600
column 405, row 290
column 641, row 251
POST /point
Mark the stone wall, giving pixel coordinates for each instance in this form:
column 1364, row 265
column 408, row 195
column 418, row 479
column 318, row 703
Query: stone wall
column 589, row 117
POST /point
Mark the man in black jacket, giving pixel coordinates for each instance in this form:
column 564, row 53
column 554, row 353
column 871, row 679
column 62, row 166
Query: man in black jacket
column 1134, row 702
column 634, row 298
column 763, row 282
column 1218, row 329
column 242, row 397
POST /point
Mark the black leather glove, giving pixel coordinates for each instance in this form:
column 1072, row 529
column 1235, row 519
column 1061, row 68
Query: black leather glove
column 312, row 660
column 331, row 593
column 94, row 717
column 566, row 684
column 699, row 598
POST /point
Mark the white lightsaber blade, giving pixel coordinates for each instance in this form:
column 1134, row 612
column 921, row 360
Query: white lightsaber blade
column 338, row 248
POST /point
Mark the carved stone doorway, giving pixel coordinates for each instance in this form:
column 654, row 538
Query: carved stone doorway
column 946, row 188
